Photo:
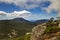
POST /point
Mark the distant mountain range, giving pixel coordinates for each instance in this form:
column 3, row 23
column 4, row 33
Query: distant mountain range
column 19, row 24
column 41, row 21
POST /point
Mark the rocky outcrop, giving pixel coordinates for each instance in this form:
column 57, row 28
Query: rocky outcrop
column 38, row 32
column 12, row 34
column 59, row 23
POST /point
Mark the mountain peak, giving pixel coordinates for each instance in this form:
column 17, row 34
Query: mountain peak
column 20, row 19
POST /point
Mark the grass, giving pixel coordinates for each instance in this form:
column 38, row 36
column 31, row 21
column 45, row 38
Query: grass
column 26, row 37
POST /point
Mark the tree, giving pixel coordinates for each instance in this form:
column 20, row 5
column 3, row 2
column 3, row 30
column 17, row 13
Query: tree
column 50, row 22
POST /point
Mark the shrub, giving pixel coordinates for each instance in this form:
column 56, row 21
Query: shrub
column 49, row 29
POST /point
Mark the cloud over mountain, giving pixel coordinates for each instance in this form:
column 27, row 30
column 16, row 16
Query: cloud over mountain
column 47, row 5
column 24, row 14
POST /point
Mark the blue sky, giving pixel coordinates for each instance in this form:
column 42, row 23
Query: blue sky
column 39, row 9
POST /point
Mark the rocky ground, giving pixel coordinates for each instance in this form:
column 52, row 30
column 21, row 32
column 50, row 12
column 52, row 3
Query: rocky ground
column 46, row 31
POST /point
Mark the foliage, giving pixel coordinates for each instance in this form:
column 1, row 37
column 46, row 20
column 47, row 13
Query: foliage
column 51, row 26
column 21, row 26
column 49, row 29
column 26, row 37
column 51, row 20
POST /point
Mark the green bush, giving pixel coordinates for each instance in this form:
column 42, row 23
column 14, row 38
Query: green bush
column 49, row 29
column 26, row 37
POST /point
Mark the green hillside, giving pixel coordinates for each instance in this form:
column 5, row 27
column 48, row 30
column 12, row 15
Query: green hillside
column 21, row 26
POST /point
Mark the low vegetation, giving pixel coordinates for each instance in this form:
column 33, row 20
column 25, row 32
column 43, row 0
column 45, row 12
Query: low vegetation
column 50, row 29
column 22, row 27
column 25, row 37
column 51, row 26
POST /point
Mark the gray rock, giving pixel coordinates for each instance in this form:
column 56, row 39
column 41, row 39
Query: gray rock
column 37, row 32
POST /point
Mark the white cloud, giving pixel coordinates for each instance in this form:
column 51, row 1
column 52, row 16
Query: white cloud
column 55, row 4
column 24, row 14
column 24, row 3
